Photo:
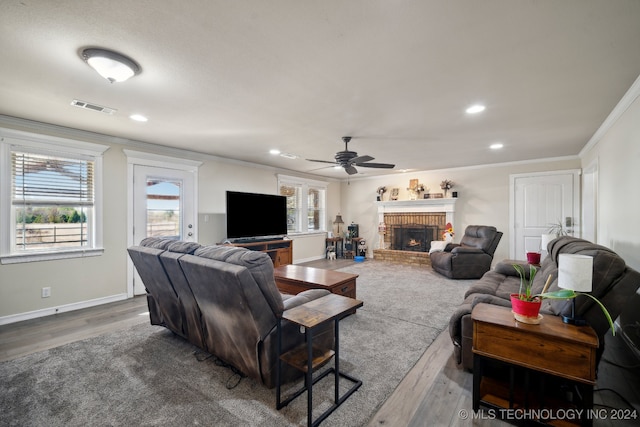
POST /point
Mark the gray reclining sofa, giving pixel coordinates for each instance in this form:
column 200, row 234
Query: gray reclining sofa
column 224, row 300
column 614, row 283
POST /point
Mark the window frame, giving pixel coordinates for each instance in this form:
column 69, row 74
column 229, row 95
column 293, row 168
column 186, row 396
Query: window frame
column 304, row 185
column 12, row 140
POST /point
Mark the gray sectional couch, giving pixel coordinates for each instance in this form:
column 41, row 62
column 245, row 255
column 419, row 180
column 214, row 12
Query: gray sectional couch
column 224, row 300
column 614, row 283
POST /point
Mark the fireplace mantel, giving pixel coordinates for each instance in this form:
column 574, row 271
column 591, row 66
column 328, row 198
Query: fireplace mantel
column 420, row 205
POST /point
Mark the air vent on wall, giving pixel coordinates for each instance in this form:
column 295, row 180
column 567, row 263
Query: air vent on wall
column 94, row 107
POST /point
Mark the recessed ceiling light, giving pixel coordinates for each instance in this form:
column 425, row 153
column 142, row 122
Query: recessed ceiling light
column 288, row 156
column 275, row 152
column 475, row 109
column 138, row 118
column 496, row 146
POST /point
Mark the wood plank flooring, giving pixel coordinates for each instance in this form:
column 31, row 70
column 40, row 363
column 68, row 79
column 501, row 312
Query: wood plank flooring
column 434, row 393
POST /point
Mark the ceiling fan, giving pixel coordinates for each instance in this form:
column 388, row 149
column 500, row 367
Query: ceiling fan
column 349, row 159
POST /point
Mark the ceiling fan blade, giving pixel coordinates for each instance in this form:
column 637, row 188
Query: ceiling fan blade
column 351, row 170
column 361, row 159
column 321, row 161
column 376, row 165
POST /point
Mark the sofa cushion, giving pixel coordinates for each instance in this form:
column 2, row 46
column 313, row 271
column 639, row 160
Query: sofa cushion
column 259, row 265
column 479, row 236
column 183, row 247
column 157, row 242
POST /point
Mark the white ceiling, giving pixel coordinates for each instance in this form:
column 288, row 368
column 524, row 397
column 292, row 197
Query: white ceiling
column 237, row 78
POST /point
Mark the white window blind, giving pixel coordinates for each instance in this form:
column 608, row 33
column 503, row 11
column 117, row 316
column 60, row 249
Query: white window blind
column 43, row 180
column 306, row 201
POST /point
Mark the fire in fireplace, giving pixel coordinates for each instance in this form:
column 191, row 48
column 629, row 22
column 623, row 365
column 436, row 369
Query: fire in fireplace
column 412, row 237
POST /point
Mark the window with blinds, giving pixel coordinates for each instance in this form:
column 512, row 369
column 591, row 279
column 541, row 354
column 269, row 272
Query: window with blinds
column 52, row 199
column 306, row 202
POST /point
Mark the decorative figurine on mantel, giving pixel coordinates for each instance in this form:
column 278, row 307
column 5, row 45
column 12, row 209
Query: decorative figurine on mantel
column 381, row 191
column 415, row 188
column 394, row 193
column 446, row 185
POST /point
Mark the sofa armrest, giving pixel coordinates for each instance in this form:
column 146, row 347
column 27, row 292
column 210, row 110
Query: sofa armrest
column 505, row 267
column 466, row 250
column 451, row 246
column 304, row 297
column 490, row 299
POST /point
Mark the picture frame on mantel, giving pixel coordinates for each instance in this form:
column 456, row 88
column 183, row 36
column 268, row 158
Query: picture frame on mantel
column 434, row 196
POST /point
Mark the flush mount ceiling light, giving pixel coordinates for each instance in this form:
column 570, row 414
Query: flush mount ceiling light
column 496, row 146
column 475, row 109
column 138, row 118
column 110, row 65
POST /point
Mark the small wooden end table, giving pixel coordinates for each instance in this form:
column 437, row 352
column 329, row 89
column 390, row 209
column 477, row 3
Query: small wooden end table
column 551, row 347
column 307, row 357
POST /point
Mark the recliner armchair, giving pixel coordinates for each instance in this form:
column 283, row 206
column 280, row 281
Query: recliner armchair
column 472, row 257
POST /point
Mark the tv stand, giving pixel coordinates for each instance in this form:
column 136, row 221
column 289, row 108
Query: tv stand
column 256, row 240
column 280, row 251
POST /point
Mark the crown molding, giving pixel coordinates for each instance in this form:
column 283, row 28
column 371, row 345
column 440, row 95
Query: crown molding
column 623, row 105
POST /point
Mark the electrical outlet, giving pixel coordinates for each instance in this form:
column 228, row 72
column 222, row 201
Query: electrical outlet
column 46, row 292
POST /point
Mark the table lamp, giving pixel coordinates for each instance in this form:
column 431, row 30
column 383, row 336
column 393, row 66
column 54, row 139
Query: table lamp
column 544, row 242
column 338, row 221
column 575, row 272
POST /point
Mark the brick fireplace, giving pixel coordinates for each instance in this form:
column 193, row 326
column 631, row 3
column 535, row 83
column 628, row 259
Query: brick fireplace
column 411, row 225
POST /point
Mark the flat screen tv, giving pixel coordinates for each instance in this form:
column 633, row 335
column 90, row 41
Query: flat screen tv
column 255, row 216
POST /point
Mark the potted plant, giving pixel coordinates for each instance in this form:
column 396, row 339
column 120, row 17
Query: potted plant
column 526, row 305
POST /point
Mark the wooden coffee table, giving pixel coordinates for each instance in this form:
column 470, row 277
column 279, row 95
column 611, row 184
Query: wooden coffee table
column 293, row 279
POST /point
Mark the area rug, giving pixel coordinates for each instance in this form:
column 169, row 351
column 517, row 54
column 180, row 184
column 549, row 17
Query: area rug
column 145, row 375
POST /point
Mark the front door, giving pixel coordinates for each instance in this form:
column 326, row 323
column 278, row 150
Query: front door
column 163, row 206
column 538, row 201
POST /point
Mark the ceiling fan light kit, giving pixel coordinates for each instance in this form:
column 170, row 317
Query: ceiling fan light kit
column 349, row 159
column 111, row 65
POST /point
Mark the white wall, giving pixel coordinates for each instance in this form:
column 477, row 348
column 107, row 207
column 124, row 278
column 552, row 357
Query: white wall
column 80, row 282
column 483, row 196
column 618, row 199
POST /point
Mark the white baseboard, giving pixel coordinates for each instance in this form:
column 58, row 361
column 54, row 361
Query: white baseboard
column 60, row 309
column 313, row 258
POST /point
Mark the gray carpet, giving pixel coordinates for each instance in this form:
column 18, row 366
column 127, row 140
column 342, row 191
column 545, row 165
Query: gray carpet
column 147, row 376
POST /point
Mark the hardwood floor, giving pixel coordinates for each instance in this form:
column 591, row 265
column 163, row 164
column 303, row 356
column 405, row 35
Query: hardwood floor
column 434, row 393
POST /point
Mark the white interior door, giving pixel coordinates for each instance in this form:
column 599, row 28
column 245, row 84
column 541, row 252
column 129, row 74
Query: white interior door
column 163, row 206
column 538, row 201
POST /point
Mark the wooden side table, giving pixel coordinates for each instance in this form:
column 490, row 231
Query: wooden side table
column 306, row 358
column 552, row 347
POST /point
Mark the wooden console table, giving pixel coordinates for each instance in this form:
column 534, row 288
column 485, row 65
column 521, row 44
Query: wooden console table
column 293, row 279
column 552, row 347
column 280, row 251
column 307, row 357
